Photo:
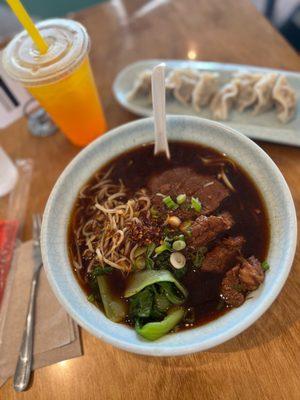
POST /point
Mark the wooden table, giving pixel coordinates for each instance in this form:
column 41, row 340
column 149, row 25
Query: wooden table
column 261, row 363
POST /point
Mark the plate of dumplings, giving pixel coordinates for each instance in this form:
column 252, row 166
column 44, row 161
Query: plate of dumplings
column 260, row 102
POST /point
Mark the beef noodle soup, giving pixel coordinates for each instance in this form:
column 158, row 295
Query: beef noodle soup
column 168, row 245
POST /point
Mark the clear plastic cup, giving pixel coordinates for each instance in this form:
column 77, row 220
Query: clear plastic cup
column 61, row 79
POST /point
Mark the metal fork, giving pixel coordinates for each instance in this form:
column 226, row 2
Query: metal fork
column 24, row 364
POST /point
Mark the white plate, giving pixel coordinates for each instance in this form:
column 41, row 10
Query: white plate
column 262, row 127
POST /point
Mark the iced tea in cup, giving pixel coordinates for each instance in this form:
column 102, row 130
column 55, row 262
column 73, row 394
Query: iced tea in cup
column 61, row 79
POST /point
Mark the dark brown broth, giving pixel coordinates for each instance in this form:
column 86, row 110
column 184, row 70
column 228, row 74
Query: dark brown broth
column 246, row 206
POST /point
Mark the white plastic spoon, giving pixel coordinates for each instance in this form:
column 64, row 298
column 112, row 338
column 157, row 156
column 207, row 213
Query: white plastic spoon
column 159, row 110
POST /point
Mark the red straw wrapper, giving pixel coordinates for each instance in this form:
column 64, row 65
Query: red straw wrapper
column 8, row 235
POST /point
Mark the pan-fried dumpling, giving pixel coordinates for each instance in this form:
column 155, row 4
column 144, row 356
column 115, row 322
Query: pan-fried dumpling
column 223, row 100
column 247, row 96
column 285, row 99
column 251, row 77
column 204, row 90
column 174, row 77
column 181, row 82
column 184, row 91
column 263, row 89
column 142, row 86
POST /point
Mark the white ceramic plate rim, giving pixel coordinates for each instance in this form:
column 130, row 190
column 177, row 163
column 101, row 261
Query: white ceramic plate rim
column 272, row 132
column 154, row 348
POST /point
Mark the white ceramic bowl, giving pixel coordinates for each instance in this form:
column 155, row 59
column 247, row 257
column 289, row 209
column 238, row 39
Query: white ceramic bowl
column 181, row 128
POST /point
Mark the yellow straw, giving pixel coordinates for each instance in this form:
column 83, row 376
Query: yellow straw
column 27, row 23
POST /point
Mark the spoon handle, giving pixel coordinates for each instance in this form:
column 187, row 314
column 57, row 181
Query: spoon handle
column 159, row 110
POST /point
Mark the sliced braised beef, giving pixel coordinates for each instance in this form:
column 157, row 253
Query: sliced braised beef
column 240, row 280
column 183, row 180
column 205, row 229
column 231, row 290
column 223, row 255
column 251, row 273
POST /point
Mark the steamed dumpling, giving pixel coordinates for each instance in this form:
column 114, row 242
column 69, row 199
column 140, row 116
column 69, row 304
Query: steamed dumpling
column 263, row 89
column 204, row 90
column 142, row 86
column 181, row 82
column 247, row 95
column 285, row 99
column 223, row 100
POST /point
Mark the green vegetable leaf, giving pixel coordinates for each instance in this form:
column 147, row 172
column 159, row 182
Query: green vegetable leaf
column 172, row 293
column 265, row 265
column 161, row 302
column 150, row 249
column 140, row 305
column 140, row 280
column 162, row 261
column 149, row 263
column 98, row 271
column 155, row 330
column 163, row 247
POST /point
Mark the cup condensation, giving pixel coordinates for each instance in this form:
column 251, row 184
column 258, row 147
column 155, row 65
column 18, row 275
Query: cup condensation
column 61, row 80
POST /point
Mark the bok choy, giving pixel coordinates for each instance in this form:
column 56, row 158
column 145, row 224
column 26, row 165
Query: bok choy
column 113, row 306
column 155, row 330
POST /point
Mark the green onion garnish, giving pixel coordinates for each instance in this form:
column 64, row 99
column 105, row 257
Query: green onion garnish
column 265, row 265
column 179, row 245
column 195, row 204
column 170, row 203
column 163, row 247
column 154, row 213
column 181, row 198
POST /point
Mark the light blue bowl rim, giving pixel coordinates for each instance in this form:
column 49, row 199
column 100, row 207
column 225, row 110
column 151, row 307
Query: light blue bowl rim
column 65, row 285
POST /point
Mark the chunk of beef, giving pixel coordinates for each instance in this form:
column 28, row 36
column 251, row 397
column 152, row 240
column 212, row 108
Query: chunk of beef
column 205, row 229
column 180, row 180
column 223, row 255
column 231, row 288
column 244, row 277
column 251, row 273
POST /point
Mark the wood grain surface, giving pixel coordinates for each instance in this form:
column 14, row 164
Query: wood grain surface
column 262, row 362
